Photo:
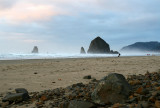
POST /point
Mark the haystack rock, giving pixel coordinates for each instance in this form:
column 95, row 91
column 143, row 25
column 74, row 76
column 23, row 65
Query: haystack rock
column 99, row 46
column 82, row 51
column 35, row 49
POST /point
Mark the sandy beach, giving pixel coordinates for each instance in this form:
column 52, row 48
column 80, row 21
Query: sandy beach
column 44, row 74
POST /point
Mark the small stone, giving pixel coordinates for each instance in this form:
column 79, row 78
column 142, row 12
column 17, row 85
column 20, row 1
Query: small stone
column 87, row 77
column 152, row 99
column 118, row 105
column 4, row 104
column 155, row 93
column 147, row 86
column 143, row 104
column 141, row 97
column 35, row 73
column 158, row 88
column 57, row 92
column 94, row 80
column 157, row 104
column 64, row 105
column 10, row 88
column 39, row 104
column 132, row 105
column 43, row 98
column 80, row 104
column 134, row 82
column 134, row 99
column 139, row 90
column 155, row 84
column 130, row 97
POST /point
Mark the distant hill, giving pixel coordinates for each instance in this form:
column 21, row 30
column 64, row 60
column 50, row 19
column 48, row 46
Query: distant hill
column 152, row 46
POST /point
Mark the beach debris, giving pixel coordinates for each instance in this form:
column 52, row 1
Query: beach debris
column 157, row 104
column 87, row 77
column 113, row 89
column 82, row 51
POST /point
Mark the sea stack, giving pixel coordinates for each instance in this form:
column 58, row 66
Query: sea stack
column 82, row 51
column 98, row 46
column 35, row 49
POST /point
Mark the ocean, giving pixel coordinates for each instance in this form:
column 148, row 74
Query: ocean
column 19, row 56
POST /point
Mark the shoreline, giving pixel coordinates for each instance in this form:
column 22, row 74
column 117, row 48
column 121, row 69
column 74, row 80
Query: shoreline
column 78, row 58
column 44, row 74
column 68, row 56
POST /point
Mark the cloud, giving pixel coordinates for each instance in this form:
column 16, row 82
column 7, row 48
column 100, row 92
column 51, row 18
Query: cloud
column 27, row 12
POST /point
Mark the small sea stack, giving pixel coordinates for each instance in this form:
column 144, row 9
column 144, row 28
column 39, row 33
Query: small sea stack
column 35, row 49
column 82, row 51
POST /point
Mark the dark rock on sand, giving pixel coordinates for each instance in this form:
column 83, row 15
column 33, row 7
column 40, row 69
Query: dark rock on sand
column 35, row 49
column 15, row 97
column 20, row 95
column 82, row 51
column 21, row 90
column 87, row 77
column 113, row 89
column 98, row 46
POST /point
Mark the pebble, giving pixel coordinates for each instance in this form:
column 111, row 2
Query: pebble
column 87, row 77
column 157, row 104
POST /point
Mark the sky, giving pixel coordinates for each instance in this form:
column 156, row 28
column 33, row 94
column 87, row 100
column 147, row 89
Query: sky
column 64, row 26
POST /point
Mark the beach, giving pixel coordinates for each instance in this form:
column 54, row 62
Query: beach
column 43, row 74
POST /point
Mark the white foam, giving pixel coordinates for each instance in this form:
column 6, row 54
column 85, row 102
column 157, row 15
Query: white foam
column 18, row 56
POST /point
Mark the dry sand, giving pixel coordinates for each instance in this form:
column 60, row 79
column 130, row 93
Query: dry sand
column 64, row 72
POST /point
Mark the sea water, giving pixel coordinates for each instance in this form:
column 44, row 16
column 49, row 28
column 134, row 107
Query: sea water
column 18, row 56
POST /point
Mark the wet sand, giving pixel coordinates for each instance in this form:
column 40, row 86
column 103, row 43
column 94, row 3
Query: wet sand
column 44, row 74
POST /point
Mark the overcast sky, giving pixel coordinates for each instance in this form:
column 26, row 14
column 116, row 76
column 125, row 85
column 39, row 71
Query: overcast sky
column 65, row 25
